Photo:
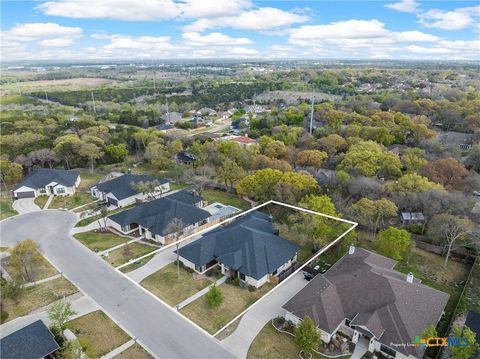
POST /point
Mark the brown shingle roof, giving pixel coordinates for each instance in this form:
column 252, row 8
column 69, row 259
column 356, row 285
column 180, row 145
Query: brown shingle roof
column 363, row 288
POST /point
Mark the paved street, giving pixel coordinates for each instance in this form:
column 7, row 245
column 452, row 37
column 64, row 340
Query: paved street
column 160, row 329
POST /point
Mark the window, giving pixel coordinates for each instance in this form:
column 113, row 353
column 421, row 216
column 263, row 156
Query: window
column 60, row 190
column 275, row 272
column 347, row 322
column 388, row 350
column 242, row 276
column 126, row 228
column 43, row 190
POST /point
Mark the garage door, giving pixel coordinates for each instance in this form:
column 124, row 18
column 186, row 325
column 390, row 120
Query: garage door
column 28, row 194
column 112, row 201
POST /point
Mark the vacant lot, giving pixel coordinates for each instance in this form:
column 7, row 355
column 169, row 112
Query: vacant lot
column 6, row 209
column 134, row 352
column 81, row 81
column 89, row 179
column 213, row 195
column 100, row 241
column 38, row 296
column 166, row 285
column 98, row 333
column 235, row 300
column 42, row 271
column 130, row 251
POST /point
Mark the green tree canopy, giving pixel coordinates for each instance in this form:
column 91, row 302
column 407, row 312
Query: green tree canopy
column 307, row 337
column 394, row 243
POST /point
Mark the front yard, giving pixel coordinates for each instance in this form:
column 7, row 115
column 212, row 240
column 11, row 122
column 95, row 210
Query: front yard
column 166, row 285
column 235, row 301
column 6, row 209
column 97, row 333
column 37, row 296
column 44, row 270
column 134, row 352
column 130, row 251
column 70, row 202
column 100, row 241
column 230, row 199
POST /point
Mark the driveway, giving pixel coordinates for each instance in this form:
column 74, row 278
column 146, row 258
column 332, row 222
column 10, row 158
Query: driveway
column 163, row 331
column 25, row 205
column 260, row 314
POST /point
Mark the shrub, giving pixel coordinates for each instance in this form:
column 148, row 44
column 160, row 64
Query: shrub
column 252, row 288
column 236, row 282
column 307, row 337
column 214, row 296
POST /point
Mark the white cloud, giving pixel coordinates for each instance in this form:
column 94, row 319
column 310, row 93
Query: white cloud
column 215, row 39
column 212, row 8
column 58, row 42
column 409, row 6
column 414, row 36
column 139, row 42
column 457, row 19
column 39, row 30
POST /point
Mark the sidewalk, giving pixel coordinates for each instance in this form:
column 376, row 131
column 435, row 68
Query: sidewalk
column 31, row 284
column 49, row 200
column 118, row 350
column 88, row 228
column 119, row 246
column 199, row 294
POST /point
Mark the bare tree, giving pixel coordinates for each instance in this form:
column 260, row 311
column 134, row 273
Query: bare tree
column 174, row 229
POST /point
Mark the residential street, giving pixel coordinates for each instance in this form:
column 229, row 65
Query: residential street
column 156, row 326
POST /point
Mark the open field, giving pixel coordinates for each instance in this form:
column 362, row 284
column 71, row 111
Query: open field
column 38, row 296
column 100, row 241
column 130, row 251
column 44, row 270
column 6, row 209
column 214, row 195
column 98, row 333
column 80, row 81
column 235, row 300
column 166, row 285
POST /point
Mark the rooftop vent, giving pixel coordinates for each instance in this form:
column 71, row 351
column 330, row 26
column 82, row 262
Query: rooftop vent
column 410, row 277
column 351, row 250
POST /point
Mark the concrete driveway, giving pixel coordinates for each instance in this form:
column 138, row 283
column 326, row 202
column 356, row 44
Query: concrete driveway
column 25, row 205
column 163, row 331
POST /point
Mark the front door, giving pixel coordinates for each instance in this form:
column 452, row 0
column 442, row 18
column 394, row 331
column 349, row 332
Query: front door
column 233, row 273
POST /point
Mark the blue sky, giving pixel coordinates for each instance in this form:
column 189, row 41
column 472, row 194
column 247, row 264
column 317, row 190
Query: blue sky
column 240, row 29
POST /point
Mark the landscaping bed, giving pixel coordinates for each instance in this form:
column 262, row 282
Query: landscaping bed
column 100, row 241
column 130, row 251
column 214, row 195
column 166, row 285
column 97, row 333
column 235, row 301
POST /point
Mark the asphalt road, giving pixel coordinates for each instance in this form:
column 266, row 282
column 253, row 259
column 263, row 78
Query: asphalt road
column 162, row 331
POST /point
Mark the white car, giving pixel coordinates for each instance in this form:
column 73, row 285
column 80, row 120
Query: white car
column 476, row 193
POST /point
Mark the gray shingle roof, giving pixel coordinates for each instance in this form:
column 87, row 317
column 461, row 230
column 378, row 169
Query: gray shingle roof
column 31, row 342
column 121, row 187
column 247, row 245
column 39, row 178
column 185, row 197
column 157, row 214
column 363, row 288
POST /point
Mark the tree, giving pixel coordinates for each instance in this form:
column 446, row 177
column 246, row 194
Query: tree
column 173, row 229
column 412, row 159
column 104, row 214
column 275, row 149
column 230, row 172
column 10, row 172
column 447, row 229
column 67, row 148
column 90, row 151
column 72, row 349
column 148, row 188
column 311, row 158
column 473, row 159
column 446, row 171
column 307, row 338
column 468, row 344
column 333, row 144
column 117, row 152
column 26, row 260
column 214, row 296
column 372, row 213
column 260, row 186
column 412, row 183
column 429, row 332
column 394, row 243
column 59, row 314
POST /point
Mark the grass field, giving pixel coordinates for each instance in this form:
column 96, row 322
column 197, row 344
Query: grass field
column 130, row 251
column 40, row 201
column 6, row 209
column 271, row 344
column 166, row 285
column 235, row 300
column 98, row 333
column 69, row 202
column 214, row 195
column 38, row 296
column 134, row 352
column 44, row 270
column 100, row 241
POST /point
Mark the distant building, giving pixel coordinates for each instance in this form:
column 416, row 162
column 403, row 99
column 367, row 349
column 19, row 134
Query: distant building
column 172, row 117
column 241, row 140
column 165, row 127
column 463, row 141
column 408, row 218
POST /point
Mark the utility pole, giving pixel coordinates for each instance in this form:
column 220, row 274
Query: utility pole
column 154, row 87
column 311, row 112
column 46, row 96
column 168, row 112
column 94, row 108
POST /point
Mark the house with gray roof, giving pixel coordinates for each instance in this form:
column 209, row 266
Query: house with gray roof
column 362, row 297
column 33, row 341
column 48, row 181
column 121, row 191
column 152, row 218
column 248, row 249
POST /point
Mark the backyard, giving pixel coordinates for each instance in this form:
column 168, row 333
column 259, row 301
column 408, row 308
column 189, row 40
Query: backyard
column 166, row 285
column 6, row 209
column 130, row 251
column 235, row 300
column 214, row 195
column 100, row 241
column 89, row 179
column 97, row 333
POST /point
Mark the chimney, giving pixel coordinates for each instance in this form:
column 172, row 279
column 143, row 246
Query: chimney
column 270, row 218
column 351, row 250
column 129, row 171
column 410, row 277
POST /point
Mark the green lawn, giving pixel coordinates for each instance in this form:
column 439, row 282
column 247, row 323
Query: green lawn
column 6, row 209
column 174, row 186
column 44, row 270
column 100, row 241
column 89, row 179
column 134, row 352
column 38, row 296
column 235, row 300
column 214, row 195
column 166, row 285
column 130, row 251
column 272, row 344
column 69, row 202
column 97, row 333
column 41, row 200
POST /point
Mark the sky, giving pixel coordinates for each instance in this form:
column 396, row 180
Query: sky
column 239, row 29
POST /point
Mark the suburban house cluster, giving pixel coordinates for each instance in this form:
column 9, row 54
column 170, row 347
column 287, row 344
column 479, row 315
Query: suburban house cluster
column 362, row 297
column 48, row 181
column 248, row 249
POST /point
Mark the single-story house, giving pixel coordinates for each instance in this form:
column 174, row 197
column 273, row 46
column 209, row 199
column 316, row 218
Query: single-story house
column 241, row 140
column 409, row 218
column 33, row 341
column 48, row 181
column 247, row 249
column 120, row 191
column 153, row 218
column 362, row 297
